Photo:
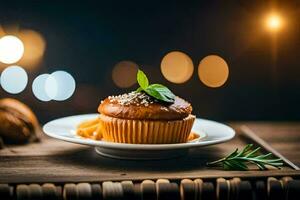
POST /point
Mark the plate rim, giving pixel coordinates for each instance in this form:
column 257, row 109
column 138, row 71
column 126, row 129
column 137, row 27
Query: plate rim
column 113, row 145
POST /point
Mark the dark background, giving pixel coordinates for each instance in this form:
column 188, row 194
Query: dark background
column 87, row 38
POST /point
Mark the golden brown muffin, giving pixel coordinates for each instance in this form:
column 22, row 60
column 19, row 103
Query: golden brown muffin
column 18, row 123
column 140, row 119
column 138, row 105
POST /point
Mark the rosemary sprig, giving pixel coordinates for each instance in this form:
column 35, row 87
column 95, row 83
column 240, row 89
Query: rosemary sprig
column 238, row 160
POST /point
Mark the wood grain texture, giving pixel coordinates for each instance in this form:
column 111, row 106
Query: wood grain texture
column 284, row 137
column 56, row 161
column 247, row 132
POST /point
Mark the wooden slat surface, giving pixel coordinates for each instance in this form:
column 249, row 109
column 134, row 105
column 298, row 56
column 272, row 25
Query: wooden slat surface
column 284, row 137
column 57, row 161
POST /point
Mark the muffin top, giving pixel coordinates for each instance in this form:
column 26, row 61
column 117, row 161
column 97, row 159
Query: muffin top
column 139, row 105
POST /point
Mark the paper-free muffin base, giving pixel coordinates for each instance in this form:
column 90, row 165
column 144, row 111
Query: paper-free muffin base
column 146, row 131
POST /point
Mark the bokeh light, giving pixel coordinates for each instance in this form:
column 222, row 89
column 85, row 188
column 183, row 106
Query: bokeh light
column 124, row 74
column 34, row 48
column 177, row 67
column 2, row 32
column 274, row 22
column 60, row 85
column 14, row 79
column 213, row 71
column 39, row 87
column 11, row 49
column 51, row 87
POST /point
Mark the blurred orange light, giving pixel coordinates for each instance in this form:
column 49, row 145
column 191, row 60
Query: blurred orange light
column 177, row 67
column 34, row 48
column 213, row 71
column 2, row 32
column 124, row 74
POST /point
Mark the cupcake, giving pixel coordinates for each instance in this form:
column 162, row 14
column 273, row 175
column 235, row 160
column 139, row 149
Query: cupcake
column 150, row 115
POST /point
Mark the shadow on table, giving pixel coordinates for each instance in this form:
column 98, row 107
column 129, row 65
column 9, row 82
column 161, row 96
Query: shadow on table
column 89, row 159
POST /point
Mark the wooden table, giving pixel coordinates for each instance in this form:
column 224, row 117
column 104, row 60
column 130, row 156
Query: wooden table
column 56, row 161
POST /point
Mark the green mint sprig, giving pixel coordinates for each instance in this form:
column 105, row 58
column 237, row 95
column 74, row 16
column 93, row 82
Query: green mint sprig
column 239, row 160
column 157, row 91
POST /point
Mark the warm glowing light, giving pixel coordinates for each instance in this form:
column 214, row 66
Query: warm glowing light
column 177, row 67
column 34, row 48
column 38, row 87
column 124, row 74
column 213, row 71
column 60, row 85
column 274, row 22
column 2, row 32
column 11, row 49
column 14, row 79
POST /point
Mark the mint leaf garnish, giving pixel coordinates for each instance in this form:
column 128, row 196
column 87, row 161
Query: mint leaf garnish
column 158, row 91
column 142, row 79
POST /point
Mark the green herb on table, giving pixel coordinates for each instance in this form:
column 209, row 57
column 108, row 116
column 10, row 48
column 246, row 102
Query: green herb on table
column 157, row 91
column 239, row 160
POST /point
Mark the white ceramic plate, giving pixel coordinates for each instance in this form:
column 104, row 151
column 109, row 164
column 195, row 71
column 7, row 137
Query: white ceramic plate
column 210, row 133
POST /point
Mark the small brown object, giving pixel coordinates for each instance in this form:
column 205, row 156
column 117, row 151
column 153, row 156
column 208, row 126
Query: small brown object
column 128, row 189
column 245, row 190
column 22, row 192
column 84, row 191
column 198, row 188
column 96, row 191
column 1, row 143
column 70, row 191
column 260, row 190
column 234, row 187
column 18, row 124
column 148, row 189
column 223, row 189
column 159, row 181
column 168, row 191
column 275, row 189
column 187, row 189
column 137, row 191
column 35, row 191
column 49, row 191
column 208, row 192
column 293, row 190
column 112, row 190
column 193, row 136
column 6, row 192
column 284, row 181
column 59, row 192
